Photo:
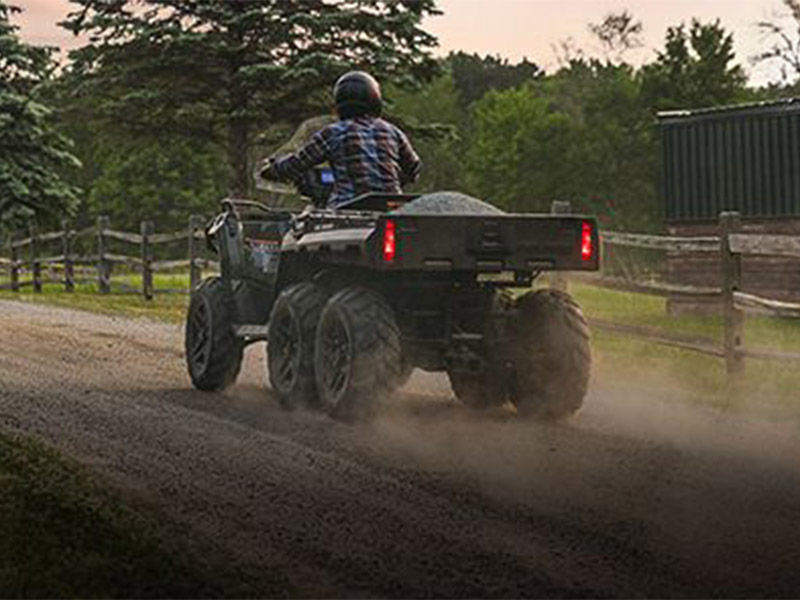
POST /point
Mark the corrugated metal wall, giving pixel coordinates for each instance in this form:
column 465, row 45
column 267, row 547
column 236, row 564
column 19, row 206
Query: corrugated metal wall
column 745, row 159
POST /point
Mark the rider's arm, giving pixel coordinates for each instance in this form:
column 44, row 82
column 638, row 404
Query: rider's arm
column 410, row 164
column 291, row 166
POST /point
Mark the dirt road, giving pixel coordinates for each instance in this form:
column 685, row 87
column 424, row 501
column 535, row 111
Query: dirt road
column 639, row 495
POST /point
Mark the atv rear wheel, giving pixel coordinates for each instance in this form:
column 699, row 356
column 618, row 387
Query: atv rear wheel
column 550, row 355
column 358, row 356
column 290, row 349
column 213, row 353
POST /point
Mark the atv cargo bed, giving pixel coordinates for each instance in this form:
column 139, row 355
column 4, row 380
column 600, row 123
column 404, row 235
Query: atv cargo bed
column 509, row 242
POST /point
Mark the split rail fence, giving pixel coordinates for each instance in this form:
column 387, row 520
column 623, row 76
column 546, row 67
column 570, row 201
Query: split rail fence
column 26, row 256
column 730, row 245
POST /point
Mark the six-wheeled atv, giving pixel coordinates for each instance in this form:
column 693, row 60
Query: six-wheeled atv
column 351, row 300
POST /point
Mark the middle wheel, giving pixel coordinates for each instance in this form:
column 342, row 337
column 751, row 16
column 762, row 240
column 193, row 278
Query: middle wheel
column 357, row 355
column 290, row 349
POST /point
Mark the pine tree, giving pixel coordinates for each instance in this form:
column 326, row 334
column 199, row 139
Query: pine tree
column 31, row 153
column 223, row 69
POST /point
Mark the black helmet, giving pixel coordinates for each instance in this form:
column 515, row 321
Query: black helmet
column 356, row 94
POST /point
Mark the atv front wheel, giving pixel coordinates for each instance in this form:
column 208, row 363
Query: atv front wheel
column 358, row 356
column 478, row 390
column 290, row 349
column 550, row 355
column 213, row 354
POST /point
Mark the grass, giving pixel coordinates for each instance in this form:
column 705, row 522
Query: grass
column 764, row 384
column 64, row 535
column 164, row 306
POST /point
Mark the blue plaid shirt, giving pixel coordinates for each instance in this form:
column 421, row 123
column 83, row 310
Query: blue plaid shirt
column 366, row 154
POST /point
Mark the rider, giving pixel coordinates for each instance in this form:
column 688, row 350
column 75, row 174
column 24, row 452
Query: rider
column 367, row 153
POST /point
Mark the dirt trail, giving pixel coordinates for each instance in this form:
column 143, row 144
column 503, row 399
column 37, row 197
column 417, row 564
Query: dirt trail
column 636, row 496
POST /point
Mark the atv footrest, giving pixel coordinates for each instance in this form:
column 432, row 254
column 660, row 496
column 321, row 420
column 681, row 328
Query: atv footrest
column 251, row 332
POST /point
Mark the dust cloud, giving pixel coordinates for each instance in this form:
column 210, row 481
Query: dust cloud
column 630, row 434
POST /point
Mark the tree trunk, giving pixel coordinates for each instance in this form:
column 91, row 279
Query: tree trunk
column 238, row 142
column 238, row 124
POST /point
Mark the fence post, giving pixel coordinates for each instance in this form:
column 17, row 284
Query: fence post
column 731, row 264
column 103, row 267
column 558, row 279
column 69, row 266
column 36, row 266
column 146, row 229
column 14, row 257
column 195, row 274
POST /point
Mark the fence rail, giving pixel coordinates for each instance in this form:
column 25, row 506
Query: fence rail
column 659, row 242
column 765, row 244
column 730, row 245
column 99, row 235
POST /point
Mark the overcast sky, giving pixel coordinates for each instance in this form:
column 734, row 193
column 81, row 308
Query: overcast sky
column 516, row 28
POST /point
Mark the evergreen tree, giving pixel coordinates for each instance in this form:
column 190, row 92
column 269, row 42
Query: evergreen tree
column 31, row 153
column 696, row 69
column 221, row 70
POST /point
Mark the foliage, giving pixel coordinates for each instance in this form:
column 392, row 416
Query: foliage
column 580, row 135
column 31, row 152
column 159, row 179
column 442, row 156
column 694, row 70
column 222, row 69
column 474, row 75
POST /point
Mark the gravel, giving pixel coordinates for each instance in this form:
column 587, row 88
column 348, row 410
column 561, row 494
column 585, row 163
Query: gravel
column 447, row 203
column 639, row 495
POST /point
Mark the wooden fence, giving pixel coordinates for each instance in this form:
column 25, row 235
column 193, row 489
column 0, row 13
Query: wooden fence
column 730, row 245
column 27, row 254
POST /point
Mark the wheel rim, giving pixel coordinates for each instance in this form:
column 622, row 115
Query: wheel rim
column 200, row 337
column 336, row 359
column 285, row 351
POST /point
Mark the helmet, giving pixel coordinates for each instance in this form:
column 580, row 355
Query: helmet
column 357, row 93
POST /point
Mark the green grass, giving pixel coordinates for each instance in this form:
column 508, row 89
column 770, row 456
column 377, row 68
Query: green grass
column 64, row 535
column 765, row 384
column 164, row 306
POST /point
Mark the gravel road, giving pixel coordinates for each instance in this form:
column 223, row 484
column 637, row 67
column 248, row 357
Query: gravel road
column 639, row 495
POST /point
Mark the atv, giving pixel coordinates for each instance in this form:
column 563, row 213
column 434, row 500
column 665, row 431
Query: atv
column 351, row 300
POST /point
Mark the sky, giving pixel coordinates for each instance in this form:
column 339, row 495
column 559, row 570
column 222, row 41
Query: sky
column 519, row 28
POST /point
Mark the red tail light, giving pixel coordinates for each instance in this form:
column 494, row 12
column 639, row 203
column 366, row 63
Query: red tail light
column 389, row 241
column 587, row 242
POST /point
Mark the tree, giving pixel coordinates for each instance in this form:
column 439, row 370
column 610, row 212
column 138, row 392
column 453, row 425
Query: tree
column 516, row 158
column 442, row 156
column 618, row 33
column 474, row 75
column 785, row 44
column 160, row 179
column 31, row 152
column 695, row 69
column 221, row 70
column 581, row 134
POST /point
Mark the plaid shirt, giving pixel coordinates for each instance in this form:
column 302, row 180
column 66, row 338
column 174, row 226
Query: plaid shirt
column 366, row 154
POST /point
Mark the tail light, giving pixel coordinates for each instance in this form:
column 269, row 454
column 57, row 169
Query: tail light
column 389, row 241
column 587, row 242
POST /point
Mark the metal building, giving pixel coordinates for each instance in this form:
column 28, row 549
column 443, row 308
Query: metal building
column 744, row 158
